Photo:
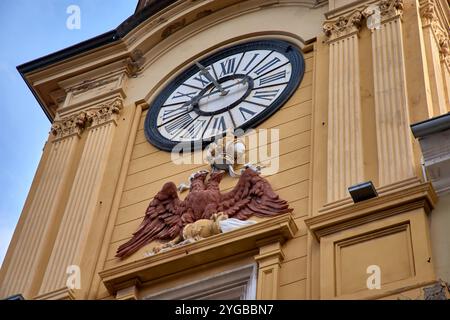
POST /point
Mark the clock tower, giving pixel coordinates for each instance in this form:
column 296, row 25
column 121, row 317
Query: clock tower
column 299, row 176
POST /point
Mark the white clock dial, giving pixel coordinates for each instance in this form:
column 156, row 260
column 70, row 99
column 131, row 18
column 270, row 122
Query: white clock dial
column 235, row 88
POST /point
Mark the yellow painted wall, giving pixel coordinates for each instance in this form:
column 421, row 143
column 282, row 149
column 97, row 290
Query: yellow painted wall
column 150, row 168
column 134, row 170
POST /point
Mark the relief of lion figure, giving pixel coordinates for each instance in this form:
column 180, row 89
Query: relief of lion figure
column 203, row 228
column 200, row 229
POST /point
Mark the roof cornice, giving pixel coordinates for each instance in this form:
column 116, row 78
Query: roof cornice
column 104, row 39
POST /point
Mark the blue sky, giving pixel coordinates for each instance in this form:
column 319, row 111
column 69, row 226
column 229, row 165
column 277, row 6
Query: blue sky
column 31, row 29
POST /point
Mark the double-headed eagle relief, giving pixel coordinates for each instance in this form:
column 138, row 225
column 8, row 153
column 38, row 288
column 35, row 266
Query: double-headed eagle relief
column 167, row 216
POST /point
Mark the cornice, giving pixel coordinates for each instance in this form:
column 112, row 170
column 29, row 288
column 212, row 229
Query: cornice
column 389, row 204
column 59, row 294
column 207, row 250
column 146, row 39
column 89, row 85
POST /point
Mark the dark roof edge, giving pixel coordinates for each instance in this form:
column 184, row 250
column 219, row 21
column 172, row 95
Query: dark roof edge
column 430, row 126
column 69, row 52
column 106, row 38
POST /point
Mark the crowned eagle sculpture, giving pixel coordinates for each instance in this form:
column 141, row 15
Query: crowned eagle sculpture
column 167, row 214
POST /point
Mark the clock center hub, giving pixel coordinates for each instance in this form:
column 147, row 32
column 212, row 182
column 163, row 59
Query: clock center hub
column 211, row 100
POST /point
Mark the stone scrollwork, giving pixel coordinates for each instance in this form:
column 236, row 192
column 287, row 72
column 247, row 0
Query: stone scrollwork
column 428, row 12
column 444, row 48
column 343, row 26
column 72, row 125
column 135, row 62
column 77, row 123
column 430, row 18
column 391, row 8
column 350, row 23
column 105, row 112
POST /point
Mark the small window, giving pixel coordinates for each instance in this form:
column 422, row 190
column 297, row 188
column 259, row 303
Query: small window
column 236, row 284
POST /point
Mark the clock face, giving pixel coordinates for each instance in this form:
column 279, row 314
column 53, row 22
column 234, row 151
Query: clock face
column 236, row 88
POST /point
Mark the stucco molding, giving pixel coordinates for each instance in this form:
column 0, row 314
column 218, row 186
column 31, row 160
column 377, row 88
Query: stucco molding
column 240, row 241
column 392, row 203
column 134, row 63
column 76, row 124
column 236, row 283
column 343, row 26
column 351, row 22
column 444, row 45
column 390, row 8
column 104, row 113
column 89, row 85
column 431, row 17
column 69, row 126
column 59, row 294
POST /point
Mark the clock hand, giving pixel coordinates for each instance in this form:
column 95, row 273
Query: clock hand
column 243, row 81
column 227, row 87
column 205, row 72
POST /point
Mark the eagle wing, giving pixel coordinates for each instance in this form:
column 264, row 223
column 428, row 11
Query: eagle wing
column 164, row 220
column 252, row 195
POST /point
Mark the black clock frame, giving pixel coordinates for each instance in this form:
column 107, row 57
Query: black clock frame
column 289, row 50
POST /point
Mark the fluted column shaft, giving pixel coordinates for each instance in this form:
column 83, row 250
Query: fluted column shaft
column 23, row 272
column 81, row 205
column 345, row 154
column 395, row 159
column 436, row 40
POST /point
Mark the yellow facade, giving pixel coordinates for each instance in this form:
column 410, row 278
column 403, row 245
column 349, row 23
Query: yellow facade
column 348, row 122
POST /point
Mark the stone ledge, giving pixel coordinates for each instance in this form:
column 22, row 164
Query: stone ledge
column 385, row 205
column 246, row 239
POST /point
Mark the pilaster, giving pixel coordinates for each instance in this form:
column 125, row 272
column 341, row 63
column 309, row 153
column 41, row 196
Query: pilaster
column 25, row 269
column 82, row 203
column 269, row 263
column 345, row 160
column 394, row 144
column 436, row 40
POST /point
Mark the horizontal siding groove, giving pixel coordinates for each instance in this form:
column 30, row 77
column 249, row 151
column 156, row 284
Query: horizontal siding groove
column 202, row 165
column 272, row 127
column 163, row 163
column 289, row 283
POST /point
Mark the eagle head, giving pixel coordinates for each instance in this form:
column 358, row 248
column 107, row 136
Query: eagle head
column 199, row 175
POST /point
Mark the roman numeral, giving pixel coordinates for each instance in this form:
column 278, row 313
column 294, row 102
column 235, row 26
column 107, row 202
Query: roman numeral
column 266, row 95
column 202, row 79
column 193, row 130
column 274, row 77
column 219, row 124
column 180, row 122
column 267, row 65
column 188, row 94
column 246, row 111
column 174, row 112
column 227, row 67
column 255, row 55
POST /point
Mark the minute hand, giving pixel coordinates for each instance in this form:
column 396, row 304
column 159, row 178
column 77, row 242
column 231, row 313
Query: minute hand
column 227, row 87
column 205, row 72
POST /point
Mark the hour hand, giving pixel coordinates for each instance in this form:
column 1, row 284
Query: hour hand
column 204, row 72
